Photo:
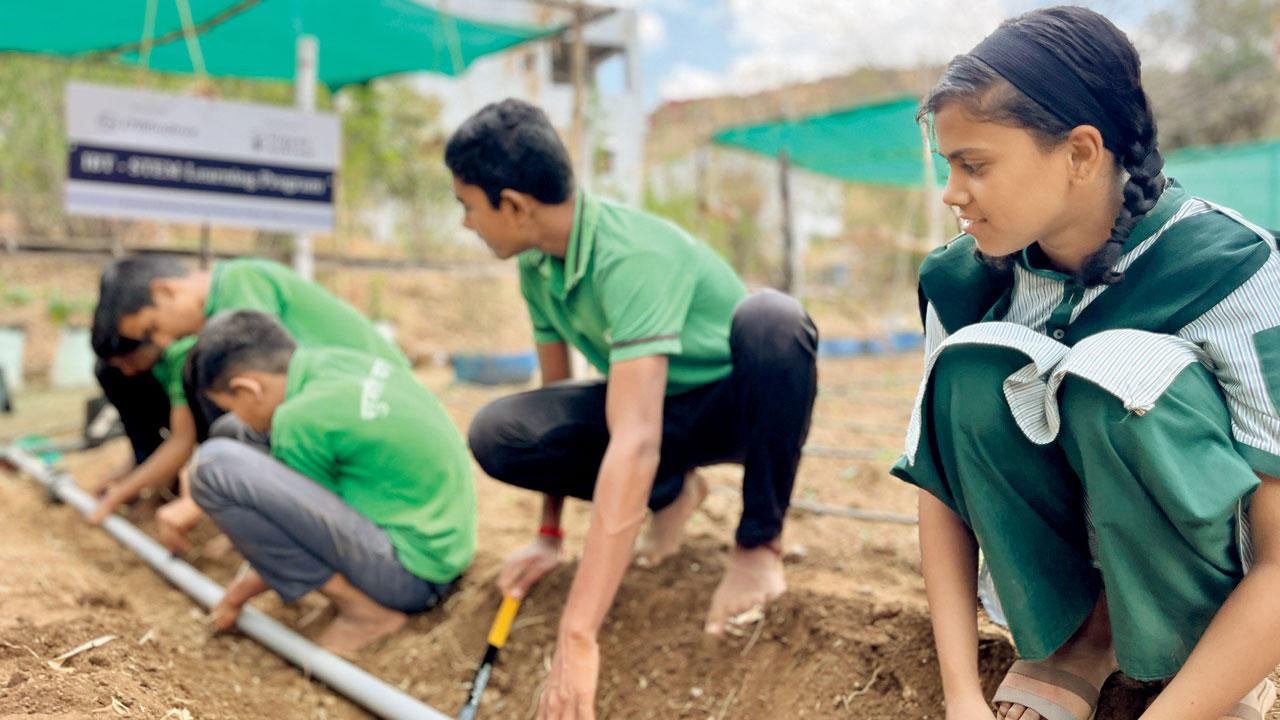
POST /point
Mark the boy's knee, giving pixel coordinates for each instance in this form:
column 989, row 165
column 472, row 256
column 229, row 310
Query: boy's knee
column 215, row 461
column 227, row 426
column 489, row 436
column 772, row 320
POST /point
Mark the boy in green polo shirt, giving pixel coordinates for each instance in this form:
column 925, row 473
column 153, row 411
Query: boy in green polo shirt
column 160, row 300
column 366, row 496
column 696, row 373
column 144, row 383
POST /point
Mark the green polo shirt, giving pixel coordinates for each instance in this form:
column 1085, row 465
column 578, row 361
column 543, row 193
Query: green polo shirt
column 314, row 316
column 632, row 285
column 371, row 433
column 169, row 370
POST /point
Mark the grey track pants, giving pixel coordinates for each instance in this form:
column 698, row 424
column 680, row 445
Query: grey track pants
column 296, row 533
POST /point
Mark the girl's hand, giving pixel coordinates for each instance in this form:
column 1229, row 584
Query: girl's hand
column 970, row 707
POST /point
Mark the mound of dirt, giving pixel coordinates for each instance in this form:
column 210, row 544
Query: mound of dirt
column 811, row 656
column 850, row 640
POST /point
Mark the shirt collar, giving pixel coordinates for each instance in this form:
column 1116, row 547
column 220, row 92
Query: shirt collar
column 296, row 374
column 586, row 215
column 215, row 279
column 582, row 238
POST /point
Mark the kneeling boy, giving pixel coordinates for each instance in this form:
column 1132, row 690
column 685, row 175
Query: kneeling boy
column 158, row 300
column 366, row 496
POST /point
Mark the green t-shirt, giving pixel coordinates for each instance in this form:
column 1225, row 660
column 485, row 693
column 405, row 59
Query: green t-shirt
column 169, row 370
column 371, row 433
column 314, row 316
column 632, row 285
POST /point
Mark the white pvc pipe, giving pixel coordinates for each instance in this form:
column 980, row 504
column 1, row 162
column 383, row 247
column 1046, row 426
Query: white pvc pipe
column 359, row 686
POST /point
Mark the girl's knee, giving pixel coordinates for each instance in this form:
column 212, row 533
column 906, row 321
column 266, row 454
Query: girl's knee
column 967, row 389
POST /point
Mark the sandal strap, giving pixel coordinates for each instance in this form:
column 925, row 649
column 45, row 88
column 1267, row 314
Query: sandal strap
column 1039, row 673
column 1242, row 712
column 1263, row 694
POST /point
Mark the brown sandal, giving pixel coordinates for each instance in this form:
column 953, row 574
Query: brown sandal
column 1256, row 704
column 1027, row 684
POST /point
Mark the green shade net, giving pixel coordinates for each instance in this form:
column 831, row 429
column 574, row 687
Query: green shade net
column 74, row 27
column 358, row 39
column 878, row 143
column 1244, row 177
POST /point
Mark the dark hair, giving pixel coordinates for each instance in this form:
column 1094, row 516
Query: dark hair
column 105, row 338
column 511, row 144
column 125, row 288
column 1108, row 65
column 234, row 341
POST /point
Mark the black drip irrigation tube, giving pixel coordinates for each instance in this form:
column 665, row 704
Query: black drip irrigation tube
column 343, row 677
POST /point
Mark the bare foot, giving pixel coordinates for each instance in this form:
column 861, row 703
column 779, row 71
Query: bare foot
column 662, row 538
column 1089, row 654
column 752, row 579
column 360, row 620
column 348, row 633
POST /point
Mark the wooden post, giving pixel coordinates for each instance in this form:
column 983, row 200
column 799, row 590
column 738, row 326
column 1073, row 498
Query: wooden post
column 788, row 233
column 932, row 198
column 206, row 247
column 578, row 74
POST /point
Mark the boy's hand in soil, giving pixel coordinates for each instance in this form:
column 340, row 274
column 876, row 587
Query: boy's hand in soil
column 106, row 506
column 571, row 687
column 525, row 567
column 244, row 588
column 102, row 485
column 174, row 520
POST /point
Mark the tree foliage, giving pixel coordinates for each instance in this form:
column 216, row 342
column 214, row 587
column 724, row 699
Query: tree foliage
column 1218, row 79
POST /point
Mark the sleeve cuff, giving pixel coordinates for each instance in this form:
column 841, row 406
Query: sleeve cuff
column 546, row 337
column 625, row 351
column 1260, row 460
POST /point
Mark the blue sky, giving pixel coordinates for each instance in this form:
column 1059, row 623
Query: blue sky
column 694, row 48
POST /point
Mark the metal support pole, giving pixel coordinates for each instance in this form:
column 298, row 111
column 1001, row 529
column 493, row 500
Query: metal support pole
column 304, row 90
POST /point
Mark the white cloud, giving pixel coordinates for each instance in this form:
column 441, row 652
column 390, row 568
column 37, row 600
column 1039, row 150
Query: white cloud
column 1160, row 50
column 685, row 82
column 785, row 41
column 653, row 30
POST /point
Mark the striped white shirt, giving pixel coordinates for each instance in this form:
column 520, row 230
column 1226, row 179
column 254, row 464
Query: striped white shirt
column 1135, row 366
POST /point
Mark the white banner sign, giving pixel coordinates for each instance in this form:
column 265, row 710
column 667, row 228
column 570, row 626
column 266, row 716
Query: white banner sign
column 136, row 154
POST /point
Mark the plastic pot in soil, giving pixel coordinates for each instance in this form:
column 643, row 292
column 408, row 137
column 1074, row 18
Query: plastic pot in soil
column 12, row 343
column 74, row 361
column 494, row 369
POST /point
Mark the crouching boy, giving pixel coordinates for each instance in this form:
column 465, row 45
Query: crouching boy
column 366, row 496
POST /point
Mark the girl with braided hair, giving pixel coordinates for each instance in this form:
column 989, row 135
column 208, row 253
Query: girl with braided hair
column 1099, row 407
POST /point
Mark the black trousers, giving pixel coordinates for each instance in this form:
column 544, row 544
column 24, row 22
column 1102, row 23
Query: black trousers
column 144, row 408
column 553, row 439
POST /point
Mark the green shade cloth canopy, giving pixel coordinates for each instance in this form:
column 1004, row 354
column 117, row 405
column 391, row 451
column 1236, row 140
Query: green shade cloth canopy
column 878, row 143
column 358, row 39
column 75, row 27
column 1242, row 176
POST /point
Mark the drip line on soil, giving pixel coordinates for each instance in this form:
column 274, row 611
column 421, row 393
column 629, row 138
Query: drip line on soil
column 345, row 678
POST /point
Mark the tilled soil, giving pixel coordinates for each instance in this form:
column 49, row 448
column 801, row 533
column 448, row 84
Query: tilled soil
column 851, row 638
